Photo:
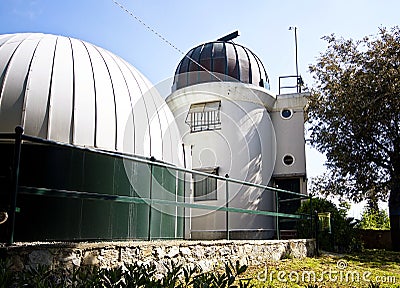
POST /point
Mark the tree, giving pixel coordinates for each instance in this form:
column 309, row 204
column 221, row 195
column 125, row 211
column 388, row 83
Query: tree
column 375, row 219
column 354, row 115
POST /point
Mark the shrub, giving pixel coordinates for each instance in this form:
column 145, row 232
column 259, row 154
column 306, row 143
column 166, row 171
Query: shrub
column 374, row 219
column 343, row 236
column 134, row 275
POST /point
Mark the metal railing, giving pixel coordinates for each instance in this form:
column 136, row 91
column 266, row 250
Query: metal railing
column 298, row 85
column 16, row 189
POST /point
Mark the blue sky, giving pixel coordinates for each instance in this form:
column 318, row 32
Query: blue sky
column 263, row 26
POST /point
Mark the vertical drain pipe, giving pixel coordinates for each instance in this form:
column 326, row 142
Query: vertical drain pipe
column 227, row 205
column 151, row 197
column 278, row 234
column 15, row 180
column 311, row 219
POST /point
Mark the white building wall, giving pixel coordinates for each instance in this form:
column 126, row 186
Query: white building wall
column 290, row 134
column 244, row 148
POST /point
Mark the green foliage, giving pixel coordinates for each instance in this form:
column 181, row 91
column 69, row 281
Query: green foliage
column 374, row 219
column 354, row 113
column 343, row 236
column 134, row 275
column 6, row 275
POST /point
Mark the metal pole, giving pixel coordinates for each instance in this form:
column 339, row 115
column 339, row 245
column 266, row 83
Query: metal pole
column 311, row 218
column 15, row 180
column 295, row 43
column 298, row 84
column 184, row 208
column 316, row 233
column 278, row 234
column 227, row 205
column 297, row 64
column 151, row 198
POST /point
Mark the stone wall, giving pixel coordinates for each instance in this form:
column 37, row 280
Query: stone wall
column 205, row 254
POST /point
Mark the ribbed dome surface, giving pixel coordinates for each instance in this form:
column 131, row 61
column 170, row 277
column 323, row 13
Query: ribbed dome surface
column 68, row 90
column 227, row 60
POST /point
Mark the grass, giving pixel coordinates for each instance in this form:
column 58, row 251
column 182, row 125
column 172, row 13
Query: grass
column 371, row 268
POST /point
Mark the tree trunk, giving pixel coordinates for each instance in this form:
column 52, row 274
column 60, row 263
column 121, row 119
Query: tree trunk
column 394, row 212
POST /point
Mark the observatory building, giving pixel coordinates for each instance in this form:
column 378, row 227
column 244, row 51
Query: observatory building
column 233, row 126
column 103, row 155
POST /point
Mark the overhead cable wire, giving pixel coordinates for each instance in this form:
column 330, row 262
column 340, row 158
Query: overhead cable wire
column 129, row 12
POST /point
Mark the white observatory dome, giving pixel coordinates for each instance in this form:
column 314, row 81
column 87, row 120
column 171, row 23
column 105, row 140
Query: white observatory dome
column 68, row 90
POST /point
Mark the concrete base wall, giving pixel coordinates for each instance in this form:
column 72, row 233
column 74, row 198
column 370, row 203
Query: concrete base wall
column 204, row 254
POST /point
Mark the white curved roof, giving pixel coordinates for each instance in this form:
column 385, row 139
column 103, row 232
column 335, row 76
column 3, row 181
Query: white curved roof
column 68, row 90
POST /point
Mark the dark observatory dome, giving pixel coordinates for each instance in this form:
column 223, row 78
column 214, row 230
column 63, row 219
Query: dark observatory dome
column 227, row 61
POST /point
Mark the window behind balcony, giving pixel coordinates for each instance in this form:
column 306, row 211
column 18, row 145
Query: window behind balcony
column 204, row 116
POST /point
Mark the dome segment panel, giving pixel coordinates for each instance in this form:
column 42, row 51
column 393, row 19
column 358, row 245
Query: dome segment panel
column 232, row 61
column 61, row 94
column 244, row 65
column 205, row 62
column 5, row 38
column 14, row 85
column 184, row 64
column 256, row 75
column 137, row 107
column 122, row 106
column 155, row 131
column 38, row 87
column 143, row 115
column 219, row 59
column 7, row 50
column 264, row 82
column 105, row 102
column 164, row 121
column 193, row 66
column 84, row 109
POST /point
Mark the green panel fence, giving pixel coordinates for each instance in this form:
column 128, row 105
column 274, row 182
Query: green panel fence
column 56, row 191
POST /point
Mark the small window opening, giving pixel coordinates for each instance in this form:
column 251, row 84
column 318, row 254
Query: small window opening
column 205, row 187
column 288, row 160
column 204, row 116
column 286, row 113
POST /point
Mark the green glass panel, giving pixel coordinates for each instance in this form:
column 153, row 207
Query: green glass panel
column 98, row 175
column 121, row 183
column 96, row 216
column 61, row 217
column 180, row 210
column 163, row 217
column 140, row 182
column 120, row 220
column 45, row 218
